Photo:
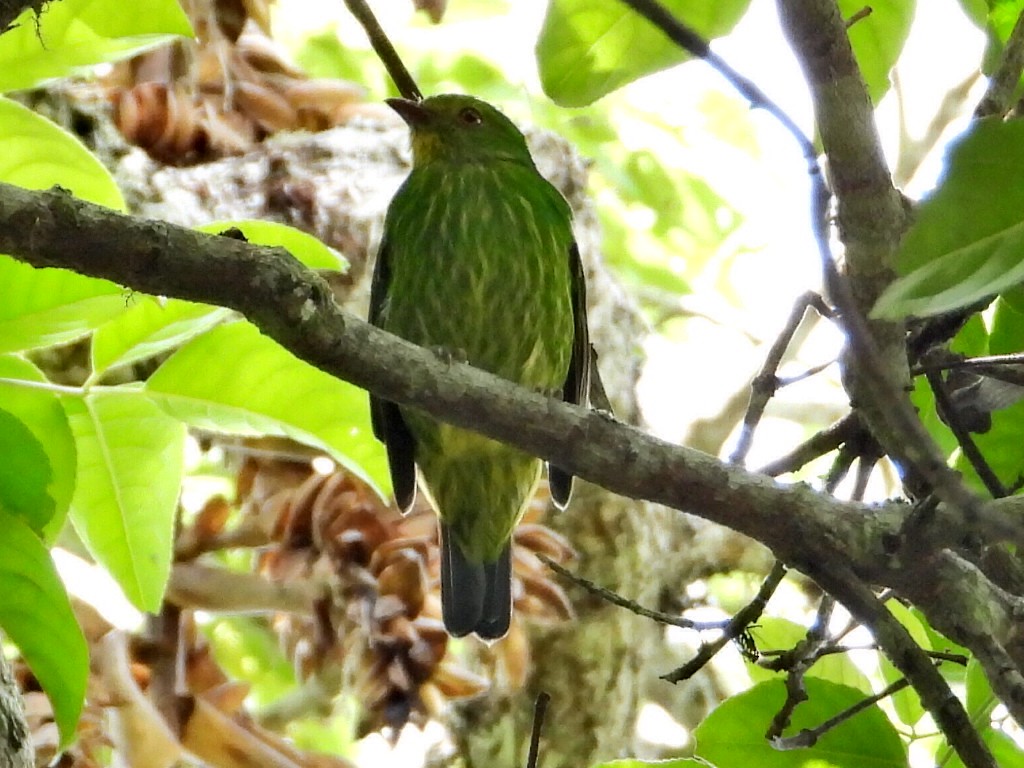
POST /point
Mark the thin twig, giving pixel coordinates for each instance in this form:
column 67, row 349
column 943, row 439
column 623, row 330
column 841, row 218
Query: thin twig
column 909, row 441
column 624, row 602
column 863, row 13
column 825, row 441
column 385, row 50
column 814, row 370
column 840, row 468
column 766, row 383
column 951, row 416
column 539, row 708
column 915, row 449
column 808, row 737
column 982, row 361
column 1003, row 82
column 735, row 627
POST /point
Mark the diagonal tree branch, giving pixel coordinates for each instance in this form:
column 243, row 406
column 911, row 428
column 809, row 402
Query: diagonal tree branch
column 807, row 530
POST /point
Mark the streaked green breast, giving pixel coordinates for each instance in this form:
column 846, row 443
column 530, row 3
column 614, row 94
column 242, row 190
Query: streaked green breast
column 479, row 266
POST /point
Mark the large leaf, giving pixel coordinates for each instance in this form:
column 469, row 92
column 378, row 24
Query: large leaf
column 36, row 154
column 774, row 633
column 1004, row 749
column 302, row 245
column 149, row 328
column 906, row 703
column 36, row 615
column 40, row 307
column 39, row 410
column 24, row 473
column 130, row 457
column 1000, row 444
column 679, row 762
column 732, row 736
column 878, row 39
column 589, row 48
column 76, row 33
column 234, row 379
column 968, row 237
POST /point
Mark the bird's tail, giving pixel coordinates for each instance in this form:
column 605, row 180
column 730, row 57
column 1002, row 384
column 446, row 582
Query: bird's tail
column 475, row 597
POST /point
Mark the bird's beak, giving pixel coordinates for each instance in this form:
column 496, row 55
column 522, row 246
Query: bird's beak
column 411, row 111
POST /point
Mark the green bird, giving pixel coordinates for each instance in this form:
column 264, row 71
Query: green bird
column 477, row 259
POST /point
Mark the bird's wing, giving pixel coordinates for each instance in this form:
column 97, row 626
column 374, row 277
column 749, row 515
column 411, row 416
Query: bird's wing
column 388, row 425
column 577, row 382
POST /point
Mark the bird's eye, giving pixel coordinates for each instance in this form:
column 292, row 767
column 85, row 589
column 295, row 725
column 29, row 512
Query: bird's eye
column 470, row 116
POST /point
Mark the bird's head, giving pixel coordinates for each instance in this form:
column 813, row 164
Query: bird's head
column 460, row 129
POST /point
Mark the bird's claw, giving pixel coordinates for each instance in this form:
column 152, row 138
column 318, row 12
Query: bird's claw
column 450, row 355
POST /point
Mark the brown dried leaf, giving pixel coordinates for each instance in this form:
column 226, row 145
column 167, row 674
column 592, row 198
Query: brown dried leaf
column 458, row 683
column 548, row 596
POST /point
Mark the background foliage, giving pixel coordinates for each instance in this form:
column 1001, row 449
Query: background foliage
column 109, row 457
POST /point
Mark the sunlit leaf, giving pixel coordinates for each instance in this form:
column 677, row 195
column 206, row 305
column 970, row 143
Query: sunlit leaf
column 40, row 307
column 1002, row 15
column 975, row 10
column 878, row 39
column 77, row 33
column 40, row 412
column 36, row 153
column 233, row 379
column 980, row 699
column 1004, row 749
column 130, row 459
column 906, row 703
column 302, row 245
column 36, row 615
column 249, row 650
column 679, row 762
column 967, row 238
column 733, row 734
column 774, row 633
column 24, row 473
column 149, row 328
column 588, row 49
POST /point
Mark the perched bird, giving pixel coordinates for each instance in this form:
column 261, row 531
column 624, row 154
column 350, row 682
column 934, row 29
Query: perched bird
column 478, row 260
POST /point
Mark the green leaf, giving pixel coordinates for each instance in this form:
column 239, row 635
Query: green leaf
column 679, row 762
column 246, row 649
column 149, row 328
column 733, row 734
column 130, row 457
column 40, row 307
column 1004, row 749
column 302, row 245
column 36, row 154
column 967, row 239
column 980, row 699
column 233, row 379
column 971, row 341
column 773, row 633
column 41, row 413
column 24, row 473
column 1000, row 444
column 1002, row 15
column 36, row 614
column 976, row 11
column 78, row 33
column 878, row 39
column 43, row 307
column 906, row 703
column 589, row 48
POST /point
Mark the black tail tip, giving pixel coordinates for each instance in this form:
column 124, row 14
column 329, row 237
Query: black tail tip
column 475, row 597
